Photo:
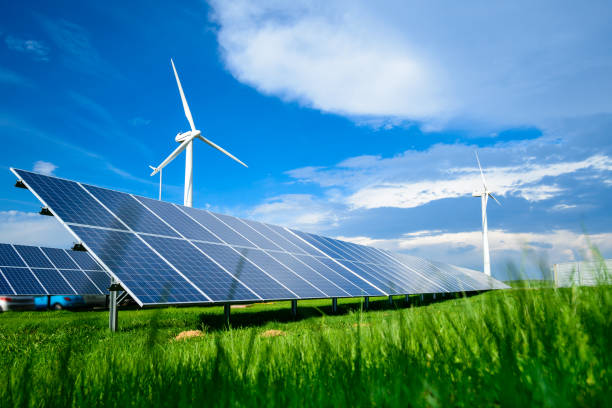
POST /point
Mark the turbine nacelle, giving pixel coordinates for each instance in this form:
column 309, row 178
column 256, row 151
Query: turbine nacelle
column 181, row 137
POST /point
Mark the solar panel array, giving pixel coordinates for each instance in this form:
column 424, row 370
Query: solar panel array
column 30, row 270
column 164, row 253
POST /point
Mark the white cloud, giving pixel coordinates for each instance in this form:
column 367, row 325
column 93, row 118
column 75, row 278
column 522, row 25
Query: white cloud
column 24, row 228
column 510, row 63
column 44, row 167
column 301, row 211
column 415, row 178
column 37, row 50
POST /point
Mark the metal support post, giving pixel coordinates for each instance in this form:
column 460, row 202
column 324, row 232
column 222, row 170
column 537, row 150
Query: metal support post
column 408, row 300
column 294, row 307
column 226, row 312
column 390, row 300
column 112, row 309
column 334, row 305
column 366, row 303
column 422, row 298
column 434, row 296
column 48, row 302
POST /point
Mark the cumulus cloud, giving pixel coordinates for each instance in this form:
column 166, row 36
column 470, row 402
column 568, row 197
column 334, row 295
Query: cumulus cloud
column 44, row 167
column 37, row 50
column 17, row 227
column 511, row 63
column 415, row 178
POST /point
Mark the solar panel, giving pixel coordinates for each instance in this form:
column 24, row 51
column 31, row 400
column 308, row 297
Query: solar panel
column 9, row 257
column 33, row 256
column 30, row 270
column 23, row 281
column 163, row 253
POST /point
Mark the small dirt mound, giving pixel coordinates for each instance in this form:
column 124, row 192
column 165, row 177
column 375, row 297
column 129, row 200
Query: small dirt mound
column 273, row 333
column 240, row 306
column 188, row 334
column 361, row 324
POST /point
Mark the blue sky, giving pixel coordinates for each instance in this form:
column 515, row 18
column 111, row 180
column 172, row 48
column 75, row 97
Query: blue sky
column 356, row 121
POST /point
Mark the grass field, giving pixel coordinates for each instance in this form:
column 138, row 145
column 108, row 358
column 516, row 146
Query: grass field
column 520, row 347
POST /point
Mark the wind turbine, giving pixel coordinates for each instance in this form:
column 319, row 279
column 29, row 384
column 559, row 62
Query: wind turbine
column 186, row 143
column 484, row 198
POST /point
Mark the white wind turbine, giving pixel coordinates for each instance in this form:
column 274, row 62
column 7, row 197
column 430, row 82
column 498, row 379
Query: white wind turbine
column 484, row 197
column 186, row 140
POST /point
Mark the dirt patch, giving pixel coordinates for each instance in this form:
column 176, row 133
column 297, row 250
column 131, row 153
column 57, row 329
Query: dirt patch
column 188, row 334
column 273, row 333
column 240, row 306
column 361, row 324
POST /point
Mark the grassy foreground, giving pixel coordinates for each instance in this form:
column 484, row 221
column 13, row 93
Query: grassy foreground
column 520, row 347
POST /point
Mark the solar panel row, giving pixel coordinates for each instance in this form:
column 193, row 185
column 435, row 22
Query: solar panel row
column 163, row 253
column 30, row 270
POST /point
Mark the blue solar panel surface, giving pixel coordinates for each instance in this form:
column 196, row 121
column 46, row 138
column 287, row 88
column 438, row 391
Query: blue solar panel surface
column 163, row 253
column 49, row 271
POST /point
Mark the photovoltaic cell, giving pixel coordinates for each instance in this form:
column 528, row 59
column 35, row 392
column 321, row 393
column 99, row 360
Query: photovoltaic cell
column 142, row 271
column 100, row 279
column 70, row 201
column 131, row 212
column 80, row 282
column 215, row 282
column 248, row 232
column 5, row 289
column 60, row 259
column 179, row 220
column 308, row 249
column 323, row 283
column 9, row 257
column 284, row 275
column 278, row 239
column 246, row 272
column 331, row 269
column 225, row 233
column 84, row 260
column 33, row 256
column 22, row 280
column 54, row 283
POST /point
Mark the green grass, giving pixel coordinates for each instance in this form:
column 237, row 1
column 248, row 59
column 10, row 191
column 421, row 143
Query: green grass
column 518, row 347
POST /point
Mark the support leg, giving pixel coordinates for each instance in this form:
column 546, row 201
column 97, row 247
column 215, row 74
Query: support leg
column 48, row 302
column 434, row 296
column 408, row 300
column 294, row 308
column 334, row 305
column 112, row 311
column 366, row 303
column 390, row 300
column 422, row 298
column 226, row 312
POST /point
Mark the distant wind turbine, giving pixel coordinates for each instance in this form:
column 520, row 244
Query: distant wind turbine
column 186, row 140
column 484, row 197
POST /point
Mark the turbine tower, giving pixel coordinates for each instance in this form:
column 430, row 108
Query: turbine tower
column 484, row 198
column 186, row 143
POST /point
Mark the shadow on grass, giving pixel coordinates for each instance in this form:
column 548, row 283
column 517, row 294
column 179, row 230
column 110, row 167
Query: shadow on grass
column 256, row 317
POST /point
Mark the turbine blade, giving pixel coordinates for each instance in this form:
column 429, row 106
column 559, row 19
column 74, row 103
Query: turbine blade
column 175, row 153
column 491, row 195
column 484, row 183
column 222, row 150
column 185, row 106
